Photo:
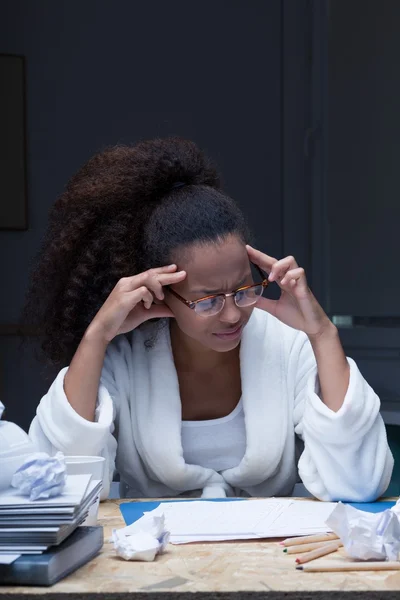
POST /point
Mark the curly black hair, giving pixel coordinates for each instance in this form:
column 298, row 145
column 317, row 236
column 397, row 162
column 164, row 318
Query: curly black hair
column 126, row 210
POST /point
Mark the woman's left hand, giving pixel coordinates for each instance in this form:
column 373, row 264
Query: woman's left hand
column 297, row 306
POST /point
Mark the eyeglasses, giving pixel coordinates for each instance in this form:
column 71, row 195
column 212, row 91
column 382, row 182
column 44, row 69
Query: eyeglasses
column 208, row 306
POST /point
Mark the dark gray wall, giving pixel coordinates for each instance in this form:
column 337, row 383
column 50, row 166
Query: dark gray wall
column 363, row 158
column 357, row 210
column 100, row 72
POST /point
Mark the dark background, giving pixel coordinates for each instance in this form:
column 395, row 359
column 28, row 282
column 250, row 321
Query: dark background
column 297, row 102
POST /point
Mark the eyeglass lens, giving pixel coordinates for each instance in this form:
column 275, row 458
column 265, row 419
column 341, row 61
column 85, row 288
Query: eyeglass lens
column 214, row 305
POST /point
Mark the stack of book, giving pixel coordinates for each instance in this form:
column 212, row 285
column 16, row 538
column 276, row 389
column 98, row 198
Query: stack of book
column 30, row 529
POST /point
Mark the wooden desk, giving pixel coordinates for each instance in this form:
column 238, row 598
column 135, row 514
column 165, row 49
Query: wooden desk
column 223, row 567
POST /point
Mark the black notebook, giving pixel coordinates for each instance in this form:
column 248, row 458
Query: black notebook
column 57, row 562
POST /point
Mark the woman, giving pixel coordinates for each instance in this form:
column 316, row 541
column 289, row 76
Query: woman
column 209, row 398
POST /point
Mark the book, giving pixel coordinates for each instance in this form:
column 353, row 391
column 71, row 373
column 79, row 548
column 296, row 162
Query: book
column 11, row 501
column 20, row 536
column 57, row 562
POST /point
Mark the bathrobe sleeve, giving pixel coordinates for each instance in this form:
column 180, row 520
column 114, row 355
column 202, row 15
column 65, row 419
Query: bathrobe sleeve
column 58, row 427
column 346, row 455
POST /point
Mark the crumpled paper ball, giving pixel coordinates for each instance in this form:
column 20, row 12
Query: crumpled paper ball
column 142, row 540
column 2, row 408
column 41, row 476
column 367, row 536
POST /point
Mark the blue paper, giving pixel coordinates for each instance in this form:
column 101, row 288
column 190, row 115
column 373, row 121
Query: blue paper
column 132, row 511
column 372, row 507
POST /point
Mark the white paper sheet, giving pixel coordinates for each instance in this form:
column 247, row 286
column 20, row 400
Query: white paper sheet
column 216, row 521
column 23, row 549
column 73, row 494
column 7, row 559
column 303, row 518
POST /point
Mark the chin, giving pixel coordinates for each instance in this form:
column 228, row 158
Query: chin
column 225, row 346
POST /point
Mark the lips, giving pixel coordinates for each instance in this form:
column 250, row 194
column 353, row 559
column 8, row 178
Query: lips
column 230, row 334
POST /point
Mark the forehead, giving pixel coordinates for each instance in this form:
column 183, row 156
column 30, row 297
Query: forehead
column 214, row 265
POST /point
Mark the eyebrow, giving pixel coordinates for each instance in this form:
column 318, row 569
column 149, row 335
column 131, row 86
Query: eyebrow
column 211, row 292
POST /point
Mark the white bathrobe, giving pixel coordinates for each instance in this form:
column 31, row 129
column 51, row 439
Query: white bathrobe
column 138, row 423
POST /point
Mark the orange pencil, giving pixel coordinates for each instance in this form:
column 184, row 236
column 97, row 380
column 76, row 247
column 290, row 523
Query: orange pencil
column 306, row 547
column 322, row 566
column 323, row 551
column 309, row 539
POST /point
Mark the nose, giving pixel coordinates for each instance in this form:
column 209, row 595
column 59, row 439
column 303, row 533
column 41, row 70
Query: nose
column 231, row 312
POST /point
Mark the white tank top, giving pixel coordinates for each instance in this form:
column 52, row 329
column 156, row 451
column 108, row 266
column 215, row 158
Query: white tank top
column 217, row 443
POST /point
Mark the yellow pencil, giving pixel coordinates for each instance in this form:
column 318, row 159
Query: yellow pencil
column 323, row 566
column 309, row 539
column 323, row 551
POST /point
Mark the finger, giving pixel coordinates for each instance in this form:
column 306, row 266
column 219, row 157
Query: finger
column 293, row 275
column 171, row 278
column 135, row 281
column 147, row 298
column 268, row 305
column 166, row 269
column 260, row 259
column 281, row 267
column 155, row 281
column 142, row 294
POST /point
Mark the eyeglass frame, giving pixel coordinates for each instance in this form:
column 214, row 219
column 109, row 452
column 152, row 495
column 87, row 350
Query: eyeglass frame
column 192, row 303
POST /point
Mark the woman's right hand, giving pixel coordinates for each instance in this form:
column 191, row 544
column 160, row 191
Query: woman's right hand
column 133, row 301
